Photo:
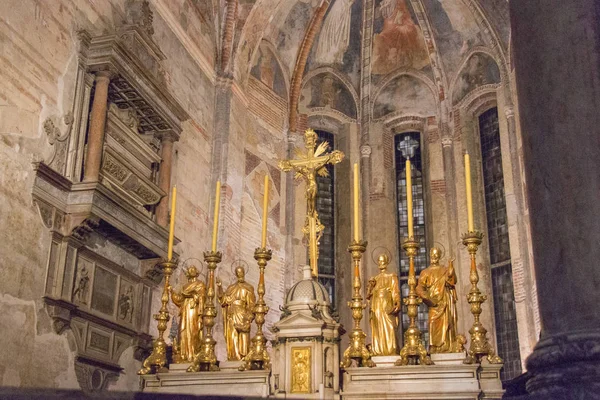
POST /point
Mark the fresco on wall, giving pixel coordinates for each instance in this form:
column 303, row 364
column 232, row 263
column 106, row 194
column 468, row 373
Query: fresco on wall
column 405, row 95
column 289, row 26
column 327, row 91
column 267, row 70
column 497, row 13
column 338, row 42
column 455, row 30
column 479, row 70
column 398, row 41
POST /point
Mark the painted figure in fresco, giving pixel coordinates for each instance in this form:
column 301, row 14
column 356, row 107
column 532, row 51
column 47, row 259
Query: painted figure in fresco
column 436, row 286
column 191, row 302
column 400, row 42
column 267, row 74
column 335, row 34
column 238, row 305
column 383, row 291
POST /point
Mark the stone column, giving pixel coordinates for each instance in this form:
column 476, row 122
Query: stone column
column 557, row 64
column 164, row 177
column 450, row 179
column 95, row 139
column 290, row 214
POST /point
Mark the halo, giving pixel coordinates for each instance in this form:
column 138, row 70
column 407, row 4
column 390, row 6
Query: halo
column 239, row 263
column 378, row 250
column 442, row 248
column 196, row 262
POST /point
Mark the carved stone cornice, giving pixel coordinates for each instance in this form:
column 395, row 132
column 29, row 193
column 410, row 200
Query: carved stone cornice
column 72, row 208
column 138, row 82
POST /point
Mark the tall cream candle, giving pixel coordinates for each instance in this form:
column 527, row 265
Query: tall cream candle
column 172, row 224
column 469, row 194
column 356, row 208
column 263, row 242
column 216, row 216
column 409, row 199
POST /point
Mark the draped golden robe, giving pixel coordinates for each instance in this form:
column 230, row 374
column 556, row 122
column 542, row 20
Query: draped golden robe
column 437, row 289
column 238, row 305
column 385, row 306
column 191, row 307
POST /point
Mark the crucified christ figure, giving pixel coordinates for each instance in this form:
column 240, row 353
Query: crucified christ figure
column 307, row 164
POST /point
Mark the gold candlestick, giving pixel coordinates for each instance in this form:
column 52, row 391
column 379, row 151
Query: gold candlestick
column 158, row 357
column 480, row 346
column 357, row 349
column 257, row 357
column 206, row 360
column 413, row 345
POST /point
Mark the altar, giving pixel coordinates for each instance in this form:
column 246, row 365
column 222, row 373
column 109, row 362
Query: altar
column 304, row 359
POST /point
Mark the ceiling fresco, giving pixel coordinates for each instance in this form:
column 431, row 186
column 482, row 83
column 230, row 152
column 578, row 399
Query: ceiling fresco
column 423, row 36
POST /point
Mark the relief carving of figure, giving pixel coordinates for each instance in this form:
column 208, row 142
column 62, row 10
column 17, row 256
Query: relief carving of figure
column 190, row 301
column 436, row 286
column 81, row 291
column 237, row 302
column 383, row 291
column 126, row 304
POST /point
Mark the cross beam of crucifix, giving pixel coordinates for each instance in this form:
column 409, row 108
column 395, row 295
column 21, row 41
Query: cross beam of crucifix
column 307, row 164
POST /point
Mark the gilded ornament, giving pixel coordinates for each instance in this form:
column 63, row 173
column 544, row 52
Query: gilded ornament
column 237, row 302
column 436, row 286
column 190, row 301
column 307, row 165
column 301, row 369
column 383, row 291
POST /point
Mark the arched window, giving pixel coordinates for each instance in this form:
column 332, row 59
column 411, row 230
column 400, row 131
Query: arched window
column 326, row 211
column 499, row 245
column 408, row 144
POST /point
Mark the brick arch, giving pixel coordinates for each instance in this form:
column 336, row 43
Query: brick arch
column 284, row 70
column 399, row 72
column 338, row 75
column 465, row 59
column 314, row 27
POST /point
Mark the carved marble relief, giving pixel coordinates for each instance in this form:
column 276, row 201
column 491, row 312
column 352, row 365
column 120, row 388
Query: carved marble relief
column 103, row 304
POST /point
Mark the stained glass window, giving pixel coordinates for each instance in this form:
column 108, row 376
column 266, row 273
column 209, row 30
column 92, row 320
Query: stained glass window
column 499, row 245
column 325, row 209
column 409, row 145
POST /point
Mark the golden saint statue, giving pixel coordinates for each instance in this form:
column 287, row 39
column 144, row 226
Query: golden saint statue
column 238, row 305
column 309, row 163
column 383, row 291
column 191, row 307
column 436, row 287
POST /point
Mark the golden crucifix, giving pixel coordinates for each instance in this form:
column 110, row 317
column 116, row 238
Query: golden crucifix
column 306, row 166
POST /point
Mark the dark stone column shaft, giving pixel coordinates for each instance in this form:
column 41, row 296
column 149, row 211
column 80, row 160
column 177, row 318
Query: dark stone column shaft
column 557, row 64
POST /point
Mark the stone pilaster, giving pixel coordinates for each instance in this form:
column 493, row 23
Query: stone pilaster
column 557, row 63
column 164, row 177
column 95, row 139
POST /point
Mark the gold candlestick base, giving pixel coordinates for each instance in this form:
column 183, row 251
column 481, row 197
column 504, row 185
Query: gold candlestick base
column 257, row 357
column 157, row 360
column 357, row 348
column 206, row 360
column 480, row 346
column 413, row 348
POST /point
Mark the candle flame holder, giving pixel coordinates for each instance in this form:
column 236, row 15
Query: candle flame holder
column 480, row 346
column 357, row 348
column 257, row 357
column 206, row 360
column 413, row 344
column 157, row 360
